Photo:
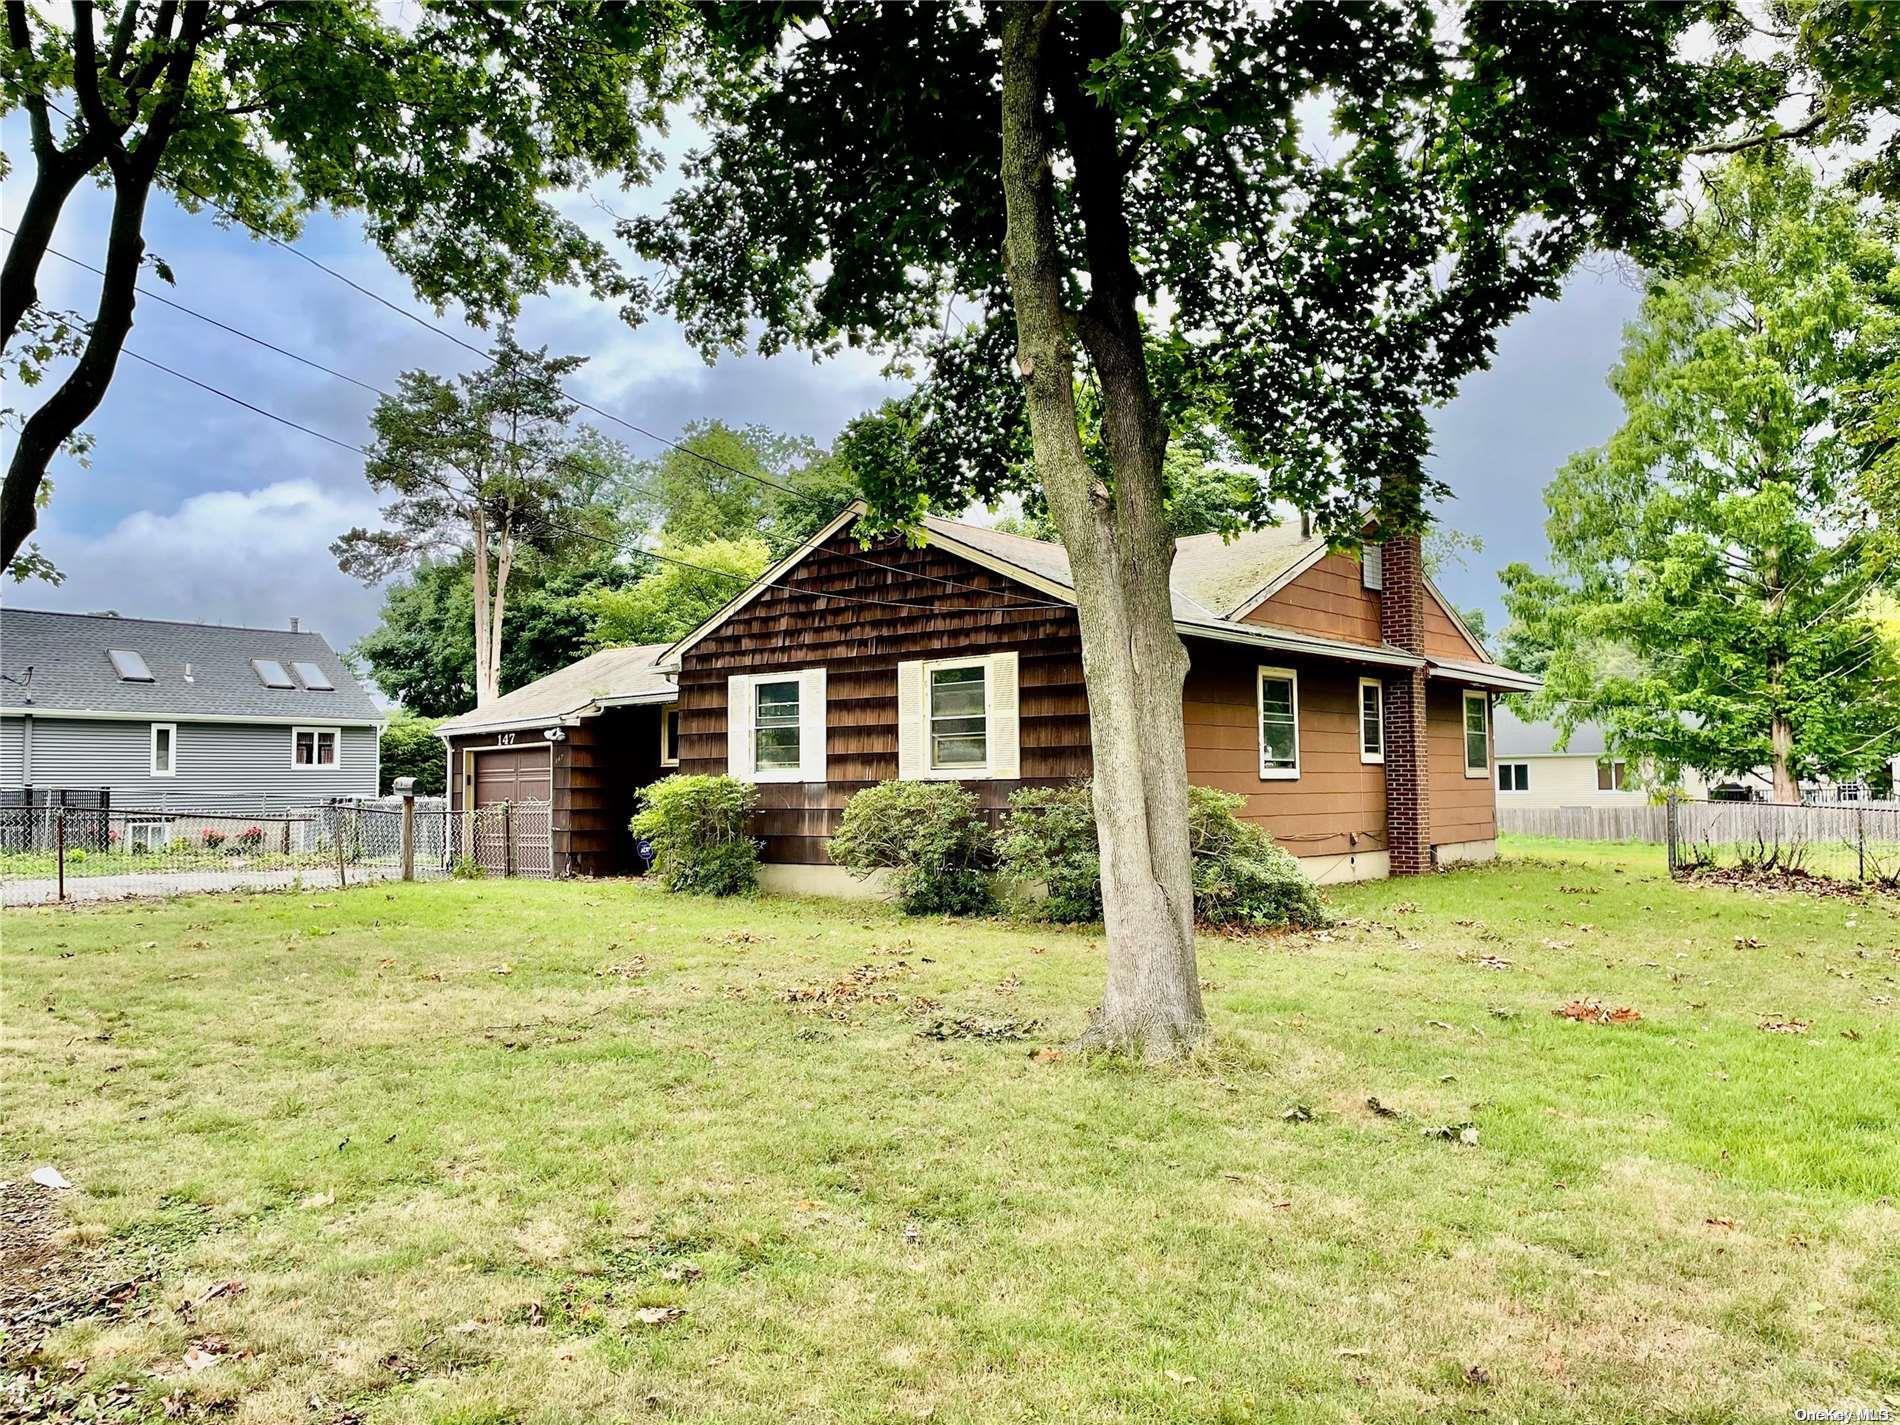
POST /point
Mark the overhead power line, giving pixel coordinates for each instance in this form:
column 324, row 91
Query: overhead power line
column 573, row 530
column 502, row 441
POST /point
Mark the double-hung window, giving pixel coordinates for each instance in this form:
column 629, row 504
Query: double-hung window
column 775, row 729
column 1477, row 734
column 164, row 749
column 1279, row 708
column 313, row 747
column 1371, row 720
column 959, row 716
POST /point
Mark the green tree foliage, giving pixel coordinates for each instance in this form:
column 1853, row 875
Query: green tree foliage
column 718, row 483
column 1309, row 219
column 485, row 465
column 445, row 128
column 674, row 599
column 422, row 650
column 1710, row 604
column 410, row 748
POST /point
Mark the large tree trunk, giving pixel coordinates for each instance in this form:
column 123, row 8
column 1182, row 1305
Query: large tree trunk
column 1120, row 552
column 484, row 689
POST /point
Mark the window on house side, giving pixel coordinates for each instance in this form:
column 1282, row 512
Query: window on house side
column 1279, row 723
column 313, row 746
column 1371, row 720
column 1477, row 734
column 1611, row 776
column 959, row 717
column 1514, row 776
column 670, row 735
column 164, row 748
column 775, row 725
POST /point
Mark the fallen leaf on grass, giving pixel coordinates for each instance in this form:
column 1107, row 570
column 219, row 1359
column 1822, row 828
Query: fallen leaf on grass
column 681, row 1272
column 1466, row 1133
column 1045, row 1055
column 1381, row 1109
column 1726, row 1224
column 198, row 1357
column 1477, row 1375
column 1494, row 962
column 318, row 1199
column 1590, row 1011
column 1299, row 1113
column 1775, row 1024
column 659, row 1315
column 1747, row 942
column 501, row 969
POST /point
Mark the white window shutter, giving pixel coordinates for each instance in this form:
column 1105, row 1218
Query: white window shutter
column 1005, row 736
column 911, row 758
column 739, row 727
column 811, row 725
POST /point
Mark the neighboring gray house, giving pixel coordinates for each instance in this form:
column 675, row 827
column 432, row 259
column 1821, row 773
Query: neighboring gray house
column 180, row 716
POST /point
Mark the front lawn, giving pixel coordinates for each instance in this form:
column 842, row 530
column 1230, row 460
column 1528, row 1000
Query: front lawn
column 508, row 1151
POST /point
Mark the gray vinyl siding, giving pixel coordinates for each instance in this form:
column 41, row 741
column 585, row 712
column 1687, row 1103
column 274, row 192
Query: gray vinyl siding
column 219, row 765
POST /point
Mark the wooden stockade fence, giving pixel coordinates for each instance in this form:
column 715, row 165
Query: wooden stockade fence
column 1622, row 823
column 1845, row 841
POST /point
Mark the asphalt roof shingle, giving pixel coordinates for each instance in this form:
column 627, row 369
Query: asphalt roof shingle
column 614, row 673
column 71, row 659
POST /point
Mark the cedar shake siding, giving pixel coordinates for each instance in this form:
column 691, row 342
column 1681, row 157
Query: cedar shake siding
column 1330, row 600
column 597, row 770
column 1335, row 806
column 860, row 645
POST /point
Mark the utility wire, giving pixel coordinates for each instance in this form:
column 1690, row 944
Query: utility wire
column 160, row 297
column 573, row 530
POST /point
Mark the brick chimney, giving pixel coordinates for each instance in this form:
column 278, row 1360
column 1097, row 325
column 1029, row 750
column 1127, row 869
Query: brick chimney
column 1408, row 800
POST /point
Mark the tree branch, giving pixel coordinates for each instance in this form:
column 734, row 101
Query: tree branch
column 1760, row 140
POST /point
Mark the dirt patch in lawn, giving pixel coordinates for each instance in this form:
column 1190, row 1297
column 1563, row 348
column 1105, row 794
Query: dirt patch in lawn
column 49, row 1276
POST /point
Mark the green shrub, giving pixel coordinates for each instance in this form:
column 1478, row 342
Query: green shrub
column 1049, row 838
column 76, row 856
column 700, row 831
column 1240, row 876
column 467, row 868
column 931, row 835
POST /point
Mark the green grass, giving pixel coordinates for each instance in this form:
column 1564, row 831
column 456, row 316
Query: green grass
column 450, row 1190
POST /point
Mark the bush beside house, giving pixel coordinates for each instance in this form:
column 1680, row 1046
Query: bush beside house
column 699, row 829
column 931, row 835
column 1240, row 877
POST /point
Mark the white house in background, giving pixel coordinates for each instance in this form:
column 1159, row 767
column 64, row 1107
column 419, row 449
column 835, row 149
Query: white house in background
column 1530, row 772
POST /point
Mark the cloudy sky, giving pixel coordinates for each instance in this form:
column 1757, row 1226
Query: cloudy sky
column 194, row 508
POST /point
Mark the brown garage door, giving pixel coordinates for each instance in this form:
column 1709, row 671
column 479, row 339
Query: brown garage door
column 518, row 840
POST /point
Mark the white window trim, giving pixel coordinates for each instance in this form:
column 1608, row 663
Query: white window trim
column 336, row 734
column 1613, row 763
column 1292, row 675
column 1498, row 771
column 970, row 771
column 1371, row 758
column 796, row 772
column 1464, row 733
column 665, row 761
column 170, row 728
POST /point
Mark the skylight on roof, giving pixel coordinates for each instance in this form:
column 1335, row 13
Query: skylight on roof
column 271, row 673
column 130, row 666
column 314, row 678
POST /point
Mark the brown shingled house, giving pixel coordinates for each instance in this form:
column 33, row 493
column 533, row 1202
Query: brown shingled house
column 1340, row 695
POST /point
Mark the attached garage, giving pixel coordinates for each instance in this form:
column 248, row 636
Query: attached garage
column 543, row 780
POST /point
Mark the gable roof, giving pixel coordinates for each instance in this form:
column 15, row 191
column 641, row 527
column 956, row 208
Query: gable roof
column 1255, row 564
column 73, row 672
column 609, row 678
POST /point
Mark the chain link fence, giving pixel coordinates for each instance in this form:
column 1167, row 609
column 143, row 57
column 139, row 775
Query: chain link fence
column 1840, row 842
column 54, row 852
column 58, row 853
